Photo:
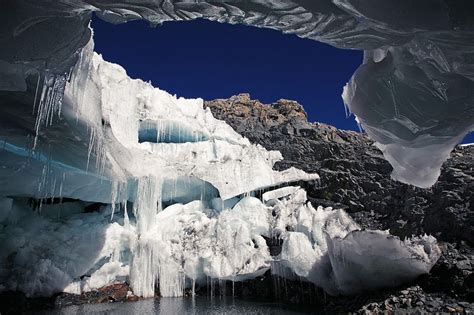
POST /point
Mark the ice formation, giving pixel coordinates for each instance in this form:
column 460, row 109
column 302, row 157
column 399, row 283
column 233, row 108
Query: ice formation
column 120, row 181
column 413, row 94
column 112, row 179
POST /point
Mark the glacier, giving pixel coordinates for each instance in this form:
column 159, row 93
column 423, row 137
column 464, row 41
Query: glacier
column 413, row 93
column 114, row 180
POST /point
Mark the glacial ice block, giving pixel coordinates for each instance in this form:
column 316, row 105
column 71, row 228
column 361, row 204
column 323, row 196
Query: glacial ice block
column 416, row 112
column 368, row 260
column 413, row 92
column 325, row 246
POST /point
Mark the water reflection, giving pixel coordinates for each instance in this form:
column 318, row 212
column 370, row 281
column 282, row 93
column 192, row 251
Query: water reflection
column 170, row 306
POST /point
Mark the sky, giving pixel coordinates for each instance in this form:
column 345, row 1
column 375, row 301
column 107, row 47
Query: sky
column 211, row 60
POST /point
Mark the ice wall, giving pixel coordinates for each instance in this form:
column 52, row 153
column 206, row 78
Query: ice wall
column 176, row 212
column 412, row 94
column 76, row 168
column 191, row 244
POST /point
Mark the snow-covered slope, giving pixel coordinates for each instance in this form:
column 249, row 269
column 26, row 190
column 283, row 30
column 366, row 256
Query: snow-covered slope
column 126, row 182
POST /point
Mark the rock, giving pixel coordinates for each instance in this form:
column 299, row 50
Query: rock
column 353, row 171
column 355, row 177
column 464, row 265
column 118, row 292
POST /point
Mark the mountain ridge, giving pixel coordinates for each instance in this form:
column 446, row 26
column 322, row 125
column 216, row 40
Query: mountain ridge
column 356, row 177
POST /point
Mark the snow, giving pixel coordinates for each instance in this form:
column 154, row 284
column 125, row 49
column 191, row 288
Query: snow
column 279, row 193
column 298, row 253
column 325, row 246
column 93, row 204
column 361, row 259
column 48, row 255
column 412, row 94
column 189, row 244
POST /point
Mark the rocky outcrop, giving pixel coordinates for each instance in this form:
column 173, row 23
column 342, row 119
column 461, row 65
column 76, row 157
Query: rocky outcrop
column 355, row 176
column 118, row 292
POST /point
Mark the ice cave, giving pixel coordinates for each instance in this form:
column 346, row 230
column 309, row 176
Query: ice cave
column 105, row 178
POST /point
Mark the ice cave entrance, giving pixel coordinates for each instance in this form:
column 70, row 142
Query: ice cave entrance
column 168, row 131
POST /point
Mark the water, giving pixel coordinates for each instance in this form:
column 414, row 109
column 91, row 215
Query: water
column 172, row 306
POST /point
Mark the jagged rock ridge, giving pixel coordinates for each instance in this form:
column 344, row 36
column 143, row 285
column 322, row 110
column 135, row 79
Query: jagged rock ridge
column 355, row 176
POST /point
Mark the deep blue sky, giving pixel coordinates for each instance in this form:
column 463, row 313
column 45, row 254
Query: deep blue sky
column 211, row 60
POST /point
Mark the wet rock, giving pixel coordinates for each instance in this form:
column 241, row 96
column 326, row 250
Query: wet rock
column 118, row 292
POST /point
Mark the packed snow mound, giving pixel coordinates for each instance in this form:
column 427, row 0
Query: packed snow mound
column 325, row 246
column 187, row 244
column 413, row 94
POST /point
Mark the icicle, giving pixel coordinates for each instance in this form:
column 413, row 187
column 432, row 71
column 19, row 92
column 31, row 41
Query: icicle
column 41, row 185
column 36, row 91
column 50, row 102
column 113, row 197
column 346, row 110
column 126, row 220
column 61, row 188
column 53, row 189
column 146, row 267
column 46, row 184
column 172, row 280
column 63, row 178
column 90, row 147
column 144, row 270
column 97, row 147
column 148, row 202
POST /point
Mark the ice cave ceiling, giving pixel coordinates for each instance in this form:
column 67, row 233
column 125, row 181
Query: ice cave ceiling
column 413, row 94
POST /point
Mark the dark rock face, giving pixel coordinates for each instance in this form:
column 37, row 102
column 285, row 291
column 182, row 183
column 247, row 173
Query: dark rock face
column 355, row 177
column 354, row 174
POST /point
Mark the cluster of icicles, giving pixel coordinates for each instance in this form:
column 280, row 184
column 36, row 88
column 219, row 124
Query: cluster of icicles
column 47, row 106
column 147, row 265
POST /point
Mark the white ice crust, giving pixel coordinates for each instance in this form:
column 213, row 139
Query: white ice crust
column 190, row 243
column 413, row 93
column 171, row 214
